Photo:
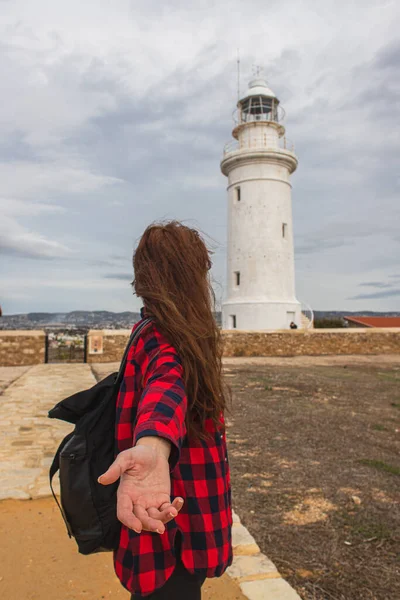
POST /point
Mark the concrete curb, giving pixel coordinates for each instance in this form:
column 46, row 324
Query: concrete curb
column 256, row 575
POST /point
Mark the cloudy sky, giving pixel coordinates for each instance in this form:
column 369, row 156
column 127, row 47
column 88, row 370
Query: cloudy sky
column 115, row 114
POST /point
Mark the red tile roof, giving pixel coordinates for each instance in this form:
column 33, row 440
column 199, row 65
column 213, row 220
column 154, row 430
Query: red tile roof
column 375, row 321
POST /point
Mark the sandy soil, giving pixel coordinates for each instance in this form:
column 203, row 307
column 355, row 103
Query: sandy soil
column 39, row 562
column 315, row 459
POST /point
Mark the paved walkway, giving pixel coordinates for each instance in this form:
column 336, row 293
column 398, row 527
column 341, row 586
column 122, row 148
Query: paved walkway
column 28, row 443
column 28, row 437
column 10, row 374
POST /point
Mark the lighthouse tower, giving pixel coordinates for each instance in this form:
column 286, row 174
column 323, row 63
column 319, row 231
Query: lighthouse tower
column 261, row 282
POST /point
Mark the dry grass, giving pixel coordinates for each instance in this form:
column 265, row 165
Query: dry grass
column 315, row 460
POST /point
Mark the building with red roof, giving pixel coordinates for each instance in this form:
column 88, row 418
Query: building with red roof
column 360, row 321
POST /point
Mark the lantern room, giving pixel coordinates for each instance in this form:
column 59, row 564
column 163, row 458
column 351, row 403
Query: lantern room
column 259, row 104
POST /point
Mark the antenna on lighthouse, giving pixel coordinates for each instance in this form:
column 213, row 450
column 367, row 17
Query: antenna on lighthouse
column 257, row 70
column 238, row 74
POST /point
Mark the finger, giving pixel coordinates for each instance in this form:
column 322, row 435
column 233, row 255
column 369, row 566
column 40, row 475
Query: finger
column 125, row 513
column 178, row 503
column 114, row 472
column 148, row 523
column 167, row 511
column 154, row 513
column 165, row 516
column 166, row 507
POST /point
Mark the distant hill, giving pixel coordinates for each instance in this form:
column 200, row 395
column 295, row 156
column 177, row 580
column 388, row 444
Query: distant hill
column 104, row 319
column 77, row 319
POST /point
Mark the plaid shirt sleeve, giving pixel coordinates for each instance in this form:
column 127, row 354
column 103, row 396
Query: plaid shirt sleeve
column 162, row 406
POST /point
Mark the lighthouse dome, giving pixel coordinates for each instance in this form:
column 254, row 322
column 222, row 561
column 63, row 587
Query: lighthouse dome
column 258, row 87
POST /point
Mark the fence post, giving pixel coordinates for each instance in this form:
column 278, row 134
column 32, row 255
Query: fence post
column 46, row 348
column 85, row 348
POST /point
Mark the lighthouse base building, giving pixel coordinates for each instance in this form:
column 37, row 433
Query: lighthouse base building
column 260, row 263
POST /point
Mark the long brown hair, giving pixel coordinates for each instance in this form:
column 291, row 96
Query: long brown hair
column 171, row 265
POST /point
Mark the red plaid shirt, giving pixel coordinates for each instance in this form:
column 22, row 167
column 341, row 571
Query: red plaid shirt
column 152, row 402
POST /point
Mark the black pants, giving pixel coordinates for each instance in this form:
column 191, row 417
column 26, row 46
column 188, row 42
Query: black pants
column 182, row 585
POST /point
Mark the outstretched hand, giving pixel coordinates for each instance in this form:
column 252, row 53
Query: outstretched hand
column 144, row 492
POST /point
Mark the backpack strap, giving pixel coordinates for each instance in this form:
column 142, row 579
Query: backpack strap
column 134, row 335
column 55, row 466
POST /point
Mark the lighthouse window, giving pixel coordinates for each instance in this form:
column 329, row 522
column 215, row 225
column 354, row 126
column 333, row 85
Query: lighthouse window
column 259, row 108
column 238, row 194
column 233, row 321
column 284, row 230
column 267, row 104
column 237, row 277
column 256, row 106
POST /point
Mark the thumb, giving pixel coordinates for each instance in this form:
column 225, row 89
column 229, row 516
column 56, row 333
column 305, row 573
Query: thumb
column 114, row 472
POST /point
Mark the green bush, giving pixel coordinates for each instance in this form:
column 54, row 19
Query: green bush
column 329, row 323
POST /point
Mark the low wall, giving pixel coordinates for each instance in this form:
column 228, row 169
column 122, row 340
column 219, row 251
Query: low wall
column 20, row 348
column 313, row 342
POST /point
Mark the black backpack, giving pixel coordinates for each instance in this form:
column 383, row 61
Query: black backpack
column 88, row 508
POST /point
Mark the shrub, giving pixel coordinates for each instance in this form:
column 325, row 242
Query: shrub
column 329, row 323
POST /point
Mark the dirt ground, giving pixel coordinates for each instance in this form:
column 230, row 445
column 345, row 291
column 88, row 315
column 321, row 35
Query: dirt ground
column 39, row 562
column 315, row 460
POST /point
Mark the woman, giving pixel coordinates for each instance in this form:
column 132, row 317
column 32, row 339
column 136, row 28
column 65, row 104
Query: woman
column 170, row 427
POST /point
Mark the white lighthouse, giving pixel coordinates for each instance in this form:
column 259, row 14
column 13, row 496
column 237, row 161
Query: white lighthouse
column 261, row 281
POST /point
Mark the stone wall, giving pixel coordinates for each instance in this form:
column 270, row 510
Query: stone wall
column 314, row 342
column 19, row 348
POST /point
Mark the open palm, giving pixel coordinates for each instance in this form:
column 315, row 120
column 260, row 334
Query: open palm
column 144, row 492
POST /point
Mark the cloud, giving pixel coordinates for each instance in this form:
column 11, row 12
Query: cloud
column 16, row 208
column 376, row 295
column 19, row 241
column 389, row 57
column 339, row 234
column 113, row 117
column 69, row 282
column 383, row 259
column 376, row 284
column 20, row 182
column 42, row 179
column 122, row 276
